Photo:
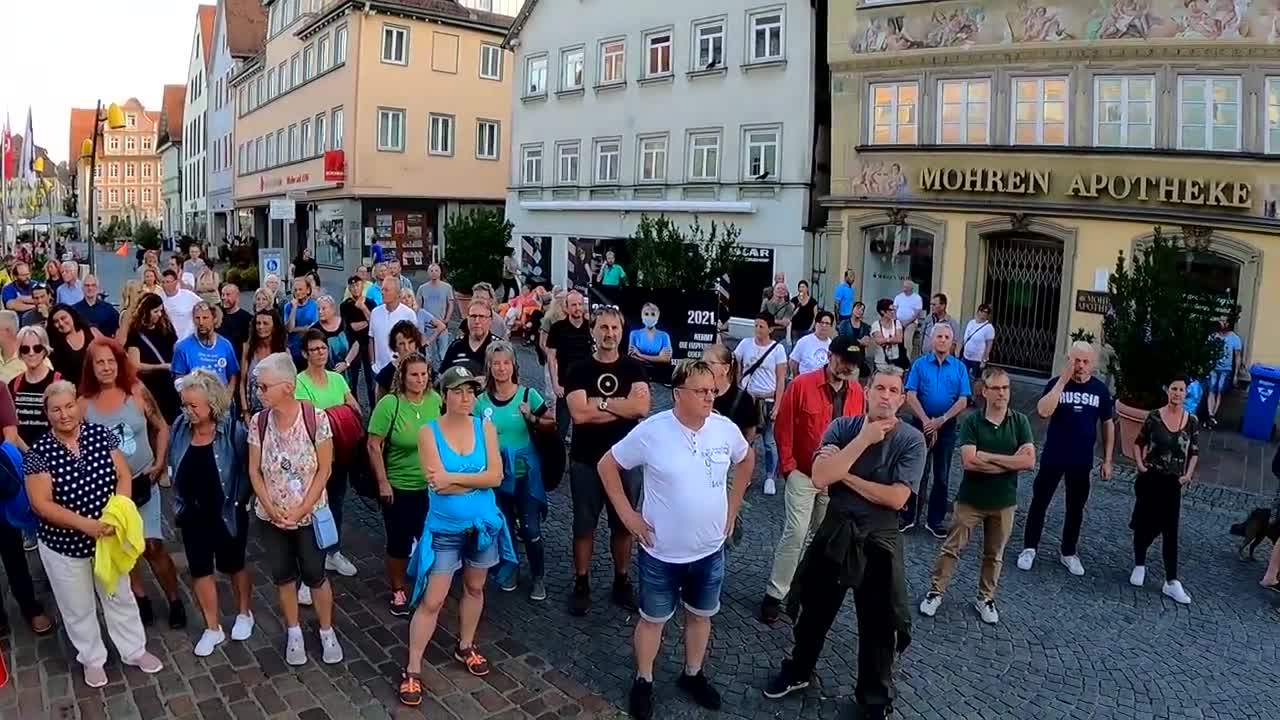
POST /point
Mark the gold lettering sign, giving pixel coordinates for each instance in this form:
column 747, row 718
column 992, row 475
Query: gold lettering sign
column 1144, row 188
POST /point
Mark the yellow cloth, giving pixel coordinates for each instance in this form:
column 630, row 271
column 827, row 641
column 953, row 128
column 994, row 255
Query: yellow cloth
column 117, row 553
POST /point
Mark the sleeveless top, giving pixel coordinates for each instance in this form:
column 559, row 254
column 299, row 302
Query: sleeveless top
column 129, row 424
column 472, row 503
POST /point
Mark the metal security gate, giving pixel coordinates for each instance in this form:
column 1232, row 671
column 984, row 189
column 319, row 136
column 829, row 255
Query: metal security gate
column 1024, row 287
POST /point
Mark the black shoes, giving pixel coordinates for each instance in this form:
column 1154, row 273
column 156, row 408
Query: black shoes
column 699, row 688
column 641, row 699
column 938, row 532
column 177, row 615
column 785, row 683
column 770, row 609
column 580, row 600
column 145, row 613
column 623, row 595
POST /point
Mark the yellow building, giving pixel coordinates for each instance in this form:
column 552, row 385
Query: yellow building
column 1007, row 151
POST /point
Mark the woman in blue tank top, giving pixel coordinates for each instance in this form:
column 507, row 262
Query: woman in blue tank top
column 464, row 528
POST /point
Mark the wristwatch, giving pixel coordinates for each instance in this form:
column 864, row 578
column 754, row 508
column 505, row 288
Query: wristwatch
column 604, row 404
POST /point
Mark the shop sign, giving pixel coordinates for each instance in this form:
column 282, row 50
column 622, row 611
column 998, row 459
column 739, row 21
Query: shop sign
column 743, row 286
column 282, row 209
column 1143, row 188
column 265, row 183
column 335, row 166
column 270, row 262
column 1093, row 302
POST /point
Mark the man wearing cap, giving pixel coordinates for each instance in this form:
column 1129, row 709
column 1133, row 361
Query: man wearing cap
column 810, row 403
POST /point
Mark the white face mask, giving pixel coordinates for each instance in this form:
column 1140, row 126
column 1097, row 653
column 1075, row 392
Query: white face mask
column 650, row 321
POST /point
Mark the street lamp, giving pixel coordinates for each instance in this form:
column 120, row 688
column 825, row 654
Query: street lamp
column 114, row 118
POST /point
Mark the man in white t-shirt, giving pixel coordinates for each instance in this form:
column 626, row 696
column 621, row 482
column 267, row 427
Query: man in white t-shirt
column 810, row 352
column 763, row 363
column 975, row 344
column 689, row 508
column 909, row 307
column 383, row 318
column 179, row 304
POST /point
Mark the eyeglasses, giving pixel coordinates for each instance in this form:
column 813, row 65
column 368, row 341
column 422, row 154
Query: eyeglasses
column 478, row 317
column 824, row 322
column 29, row 349
column 317, row 348
column 263, row 387
column 700, row 392
column 998, row 388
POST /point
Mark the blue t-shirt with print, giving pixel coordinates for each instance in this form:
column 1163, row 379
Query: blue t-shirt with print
column 1231, row 344
column 219, row 358
column 308, row 315
column 1073, row 427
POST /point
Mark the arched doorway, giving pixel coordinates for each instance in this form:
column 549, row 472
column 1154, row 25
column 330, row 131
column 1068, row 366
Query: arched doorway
column 1022, row 283
column 892, row 254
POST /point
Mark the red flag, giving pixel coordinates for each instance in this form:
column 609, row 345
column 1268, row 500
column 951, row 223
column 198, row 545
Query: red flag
column 6, row 157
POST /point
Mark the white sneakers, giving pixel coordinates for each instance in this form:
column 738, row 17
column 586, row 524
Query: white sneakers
column 929, row 606
column 337, row 562
column 1139, row 576
column 243, row 627
column 1026, row 559
column 304, row 595
column 1174, row 589
column 208, row 641
column 295, row 650
column 1072, row 562
column 770, row 486
column 331, row 650
column 987, row 611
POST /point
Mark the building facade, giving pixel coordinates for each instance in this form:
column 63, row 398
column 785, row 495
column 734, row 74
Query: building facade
column 689, row 110
column 238, row 32
column 126, row 182
column 1009, row 152
column 195, row 145
column 502, row 7
column 169, row 146
column 370, row 120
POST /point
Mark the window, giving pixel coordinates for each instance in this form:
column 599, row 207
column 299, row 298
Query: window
column 390, row 130
column 395, row 45
column 487, row 135
column 322, row 53
column 114, row 194
column 761, row 149
column 113, row 170
column 282, row 72
column 131, row 121
column 653, row 159
column 272, row 88
column 242, row 158
column 1123, row 111
column 146, row 170
column 97, row 172
column 704, row 156
column 271, row 149
column 571, row 63
column 97, row 195
column 766, row 36
column 336, row 143
column 131, row 145
column 1209, row 113
column 130, row 171
column 893, row 113
column 340, row 45
column 113, row 144
column 490, row 62
column 1040, row 111
column 130, row 196
column 535, row 76
column 261, row 153
column 964, row 112
column 531, row 159
column 293, row 153
column 321, row 138
column 263, row 97
column 567, row 164
column 304, row 138
column 441, row 141
column 1272, row 122
column 708, row 40
column 148, row 143
column 295, row 70
column 658, row 53
column 146, row 196
column 608, row 160
column 613, row 61
column 309, row 62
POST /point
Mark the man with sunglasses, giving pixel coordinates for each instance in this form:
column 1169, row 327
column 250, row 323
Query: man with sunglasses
column 697, row 466
column 469, row 351
column 206, row 349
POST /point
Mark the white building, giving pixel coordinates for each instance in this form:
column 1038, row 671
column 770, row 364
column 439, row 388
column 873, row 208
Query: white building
column 239, row 34
column 670, row 107
column 195, row 179
column 502, row 7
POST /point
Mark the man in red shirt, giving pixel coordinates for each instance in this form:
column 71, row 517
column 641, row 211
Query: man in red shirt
column 808, row 406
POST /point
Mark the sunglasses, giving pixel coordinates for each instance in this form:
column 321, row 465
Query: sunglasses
column 29, row 349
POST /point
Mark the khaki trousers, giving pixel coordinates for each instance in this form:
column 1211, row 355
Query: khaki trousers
column 78, row 596
column 806, row 506
column 997, row 524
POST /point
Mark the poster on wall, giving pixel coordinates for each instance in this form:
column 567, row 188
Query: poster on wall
column 581, row 262
column 330, row 235
column 535, row 259
column 742, row 290
column 688, row 319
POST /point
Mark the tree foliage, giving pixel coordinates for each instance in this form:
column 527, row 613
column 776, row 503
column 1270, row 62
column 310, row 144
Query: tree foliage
column 664, row 256
column 1161, row 323
column 147, row 235
column 475, row 245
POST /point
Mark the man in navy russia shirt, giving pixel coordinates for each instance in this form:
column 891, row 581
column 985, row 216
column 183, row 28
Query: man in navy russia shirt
column 206, row 349
column 1075, row 402
column 937, row 392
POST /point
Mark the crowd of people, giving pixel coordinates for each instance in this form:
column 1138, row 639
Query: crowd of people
column 251, row 417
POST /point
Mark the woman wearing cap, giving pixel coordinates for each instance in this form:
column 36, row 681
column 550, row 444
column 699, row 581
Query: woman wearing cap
column 459, row 457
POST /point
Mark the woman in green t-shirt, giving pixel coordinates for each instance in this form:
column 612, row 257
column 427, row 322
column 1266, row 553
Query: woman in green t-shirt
column 513, row 408
column 393, row 455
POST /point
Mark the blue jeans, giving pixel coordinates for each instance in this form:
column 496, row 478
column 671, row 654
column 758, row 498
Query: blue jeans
column 770, row 444
column 357, row 368
column 939, row 458
column 441, row 347
column 453, row 549
column 524, row 520
column 844, row 326
column 695, row 584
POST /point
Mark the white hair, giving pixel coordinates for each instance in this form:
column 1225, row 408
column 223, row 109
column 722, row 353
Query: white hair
column 327, row 300
column 940, row 326
column 70, row 265
column 9, row 319
column 281, row 367
column 1082, row 346
column 215, row 391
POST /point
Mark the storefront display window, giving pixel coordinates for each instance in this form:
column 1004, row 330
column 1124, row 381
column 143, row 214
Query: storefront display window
column 895, row 253
column 331, row 236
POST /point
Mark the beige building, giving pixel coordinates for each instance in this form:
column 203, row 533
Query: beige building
column 371, row 120
column 1006, row 151
column 127, row 176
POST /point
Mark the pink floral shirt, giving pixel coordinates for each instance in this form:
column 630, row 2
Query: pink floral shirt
column 289, row 462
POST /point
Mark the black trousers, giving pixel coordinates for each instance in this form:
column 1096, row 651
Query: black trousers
column 1042, row 492
column 1157, row 510
column 15, row 567
column 820, row 602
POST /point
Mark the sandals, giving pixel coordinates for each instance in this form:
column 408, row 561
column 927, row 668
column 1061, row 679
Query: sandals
column 472, row 660
column 410, row 689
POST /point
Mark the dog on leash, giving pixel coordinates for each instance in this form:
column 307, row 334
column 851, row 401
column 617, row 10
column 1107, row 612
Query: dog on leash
column 1257, row 527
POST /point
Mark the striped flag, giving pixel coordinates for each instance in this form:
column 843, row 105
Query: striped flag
column 26, row 161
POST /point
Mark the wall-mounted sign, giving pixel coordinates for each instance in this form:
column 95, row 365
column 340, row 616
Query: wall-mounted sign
column 335, row 166
column 283, row 209
column 270, row 262
column 265, row 183
column 1143, row 188
column 1093, row 302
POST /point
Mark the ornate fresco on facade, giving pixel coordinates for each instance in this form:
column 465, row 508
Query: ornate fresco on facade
column 1006, row 22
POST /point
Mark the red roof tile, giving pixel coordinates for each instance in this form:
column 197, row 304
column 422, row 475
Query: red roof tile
column 205, row 15
column 246, row 26
column 171, row 110
column 81, row 128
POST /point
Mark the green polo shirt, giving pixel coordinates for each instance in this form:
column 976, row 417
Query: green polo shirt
column 987, row 491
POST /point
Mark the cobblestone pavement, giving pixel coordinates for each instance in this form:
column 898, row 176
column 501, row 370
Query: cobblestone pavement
column 1066, row 647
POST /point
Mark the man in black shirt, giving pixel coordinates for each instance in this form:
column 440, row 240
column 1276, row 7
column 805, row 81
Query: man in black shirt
column 470, row 349
column 99, row 314
column 869, row 464
column 568, row 342
column 607, row 396
column 236, row 321
column 355, row 311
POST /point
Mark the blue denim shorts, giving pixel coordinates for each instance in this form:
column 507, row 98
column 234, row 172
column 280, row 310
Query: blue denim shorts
column 1218, row 381
column 452, row 550
column 696, row 584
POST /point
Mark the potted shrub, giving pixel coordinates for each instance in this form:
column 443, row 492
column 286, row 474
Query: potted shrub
column 1160, row 324
column 475, row 245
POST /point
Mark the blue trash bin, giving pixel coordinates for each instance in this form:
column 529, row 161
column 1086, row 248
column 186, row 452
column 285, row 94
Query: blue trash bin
column 1264, row 396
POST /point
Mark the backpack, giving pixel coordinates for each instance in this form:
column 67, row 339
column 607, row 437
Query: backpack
column 551, row 453
column 308, row 419
column 14, row 503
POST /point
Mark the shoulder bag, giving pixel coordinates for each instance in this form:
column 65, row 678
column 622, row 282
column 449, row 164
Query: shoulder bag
column 551, row 452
